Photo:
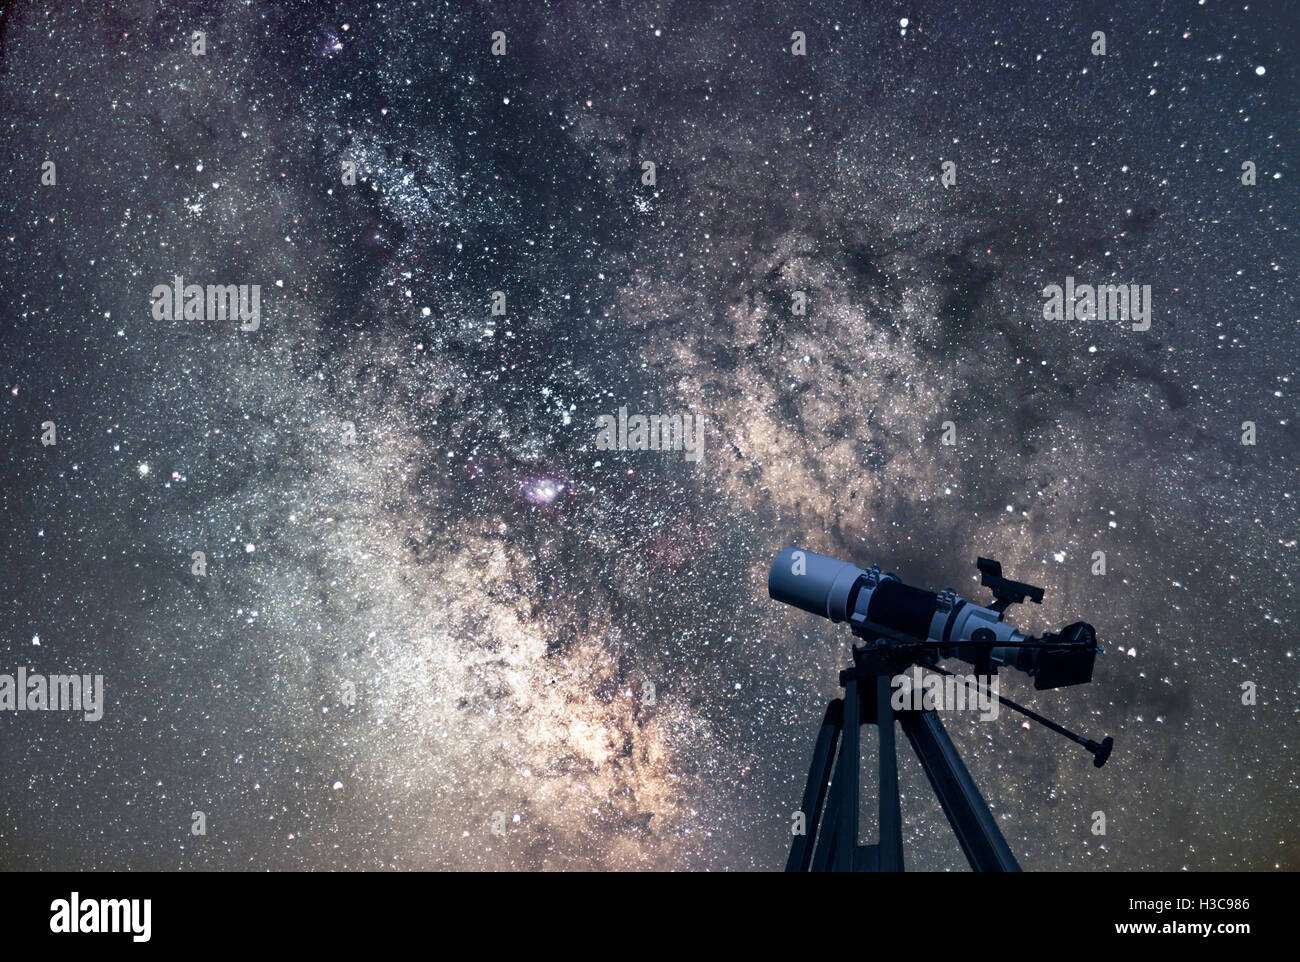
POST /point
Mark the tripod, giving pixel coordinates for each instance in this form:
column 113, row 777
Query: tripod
column 830, row 800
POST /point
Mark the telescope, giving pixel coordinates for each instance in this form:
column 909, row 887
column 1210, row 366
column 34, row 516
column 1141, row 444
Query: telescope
column 947, row 622
column 904, row 626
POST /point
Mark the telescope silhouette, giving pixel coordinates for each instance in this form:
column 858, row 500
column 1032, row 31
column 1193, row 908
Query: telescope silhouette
column 904, row 627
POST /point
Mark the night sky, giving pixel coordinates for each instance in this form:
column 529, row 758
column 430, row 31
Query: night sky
column 398, row 493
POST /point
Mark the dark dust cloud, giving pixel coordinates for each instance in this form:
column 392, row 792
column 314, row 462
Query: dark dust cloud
column 459, row 613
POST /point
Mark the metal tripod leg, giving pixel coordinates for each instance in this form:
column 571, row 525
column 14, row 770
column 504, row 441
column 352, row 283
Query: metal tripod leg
column 824, row 856
column 889, row 850
column 846, row 778
column 978, row 833
column 830, row 800
column 814, row 794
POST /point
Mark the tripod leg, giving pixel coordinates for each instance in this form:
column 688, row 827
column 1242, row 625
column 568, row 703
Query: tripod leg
column 890, row 848
column 824, row 855
column 846, row 778
column 814, row 793
column 969, row 814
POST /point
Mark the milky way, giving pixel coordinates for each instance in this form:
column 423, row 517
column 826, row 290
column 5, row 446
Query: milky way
column 435, row 626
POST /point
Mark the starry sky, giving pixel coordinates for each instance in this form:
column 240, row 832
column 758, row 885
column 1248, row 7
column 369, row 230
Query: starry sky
column 398, row 493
